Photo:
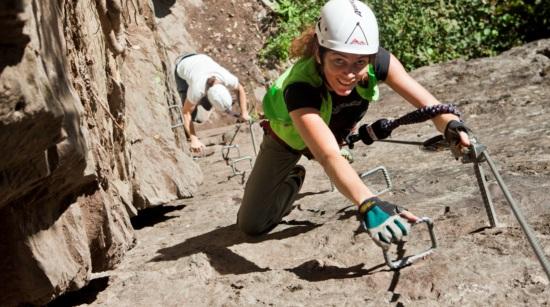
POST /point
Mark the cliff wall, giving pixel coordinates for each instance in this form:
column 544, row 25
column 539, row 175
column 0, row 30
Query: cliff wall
column 87, row 138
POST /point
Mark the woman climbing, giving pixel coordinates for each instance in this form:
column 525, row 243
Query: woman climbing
column 315, row 104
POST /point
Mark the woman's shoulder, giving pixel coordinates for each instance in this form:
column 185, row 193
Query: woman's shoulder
column 303, row 71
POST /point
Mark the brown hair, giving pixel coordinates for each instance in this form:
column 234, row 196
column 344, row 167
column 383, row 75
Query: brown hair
column 305, row 45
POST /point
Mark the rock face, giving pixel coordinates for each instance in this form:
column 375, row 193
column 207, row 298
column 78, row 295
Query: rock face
column 86, row 139
column 86, row 89
column 321, row 256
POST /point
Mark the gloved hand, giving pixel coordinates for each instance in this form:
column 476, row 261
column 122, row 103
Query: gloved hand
column 376, row 131
column 452, row 135
column 382, row 221
column 452, row 131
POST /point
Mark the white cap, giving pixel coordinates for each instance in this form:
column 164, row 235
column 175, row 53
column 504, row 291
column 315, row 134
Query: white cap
column 348, row 26
column 219, row 97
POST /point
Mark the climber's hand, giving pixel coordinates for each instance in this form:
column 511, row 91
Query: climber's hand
column 456, row 133
column 244, row 118
column 376, row 131
column 385, row 222
column 197, row 147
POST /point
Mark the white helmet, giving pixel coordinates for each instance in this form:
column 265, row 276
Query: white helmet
column 219, row 97
column 348, row 26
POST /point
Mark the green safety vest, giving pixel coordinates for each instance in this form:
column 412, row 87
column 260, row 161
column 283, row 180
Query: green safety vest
column 304, row 70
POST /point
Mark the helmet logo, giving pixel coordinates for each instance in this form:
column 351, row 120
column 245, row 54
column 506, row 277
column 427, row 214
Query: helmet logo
column 355, row 9
column 357, row 42
column 357, row 36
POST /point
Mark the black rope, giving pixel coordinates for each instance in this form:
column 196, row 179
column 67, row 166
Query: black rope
column 386, row 126
column 421, row 115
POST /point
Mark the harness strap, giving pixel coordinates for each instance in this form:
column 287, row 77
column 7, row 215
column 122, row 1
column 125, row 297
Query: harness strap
column 268, row 131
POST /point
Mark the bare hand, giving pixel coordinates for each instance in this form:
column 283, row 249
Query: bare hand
column 410, row 217
column 457, row 136
column 464, row 142
column 244, row 118
column 197, row 147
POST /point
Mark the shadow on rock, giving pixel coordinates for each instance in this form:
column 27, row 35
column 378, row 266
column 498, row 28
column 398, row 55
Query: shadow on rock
column 225, row 261
column 154, row 215
column 345, row 214
column 163, row 7
column 397, row 273
column 86, row 295
column 13, row 40
column 314, row 270
column 215, row 245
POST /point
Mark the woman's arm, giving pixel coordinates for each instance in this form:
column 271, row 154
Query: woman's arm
column 322, row 144
column 402, row 83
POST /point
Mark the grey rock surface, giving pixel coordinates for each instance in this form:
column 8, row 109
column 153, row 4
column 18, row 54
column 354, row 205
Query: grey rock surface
column 320, row 256
column 86, row 140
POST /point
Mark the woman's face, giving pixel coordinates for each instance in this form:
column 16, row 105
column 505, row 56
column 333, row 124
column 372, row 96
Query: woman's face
column 344, row 70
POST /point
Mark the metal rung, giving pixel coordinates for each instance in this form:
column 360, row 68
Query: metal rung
column 233, row 163
column 180, row 122
column 177, row 125
column 373, row 171
column 410, row 259
column 227, row 149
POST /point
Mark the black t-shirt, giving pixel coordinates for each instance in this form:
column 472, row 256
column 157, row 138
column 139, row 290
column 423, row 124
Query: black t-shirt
column 347, row 111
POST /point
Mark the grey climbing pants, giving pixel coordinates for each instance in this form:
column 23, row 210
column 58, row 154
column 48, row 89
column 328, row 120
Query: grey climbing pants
column 269, row 192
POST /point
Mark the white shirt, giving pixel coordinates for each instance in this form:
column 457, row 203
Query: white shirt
column 197, row 69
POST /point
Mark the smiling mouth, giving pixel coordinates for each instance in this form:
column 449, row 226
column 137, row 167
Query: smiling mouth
column 346, row 83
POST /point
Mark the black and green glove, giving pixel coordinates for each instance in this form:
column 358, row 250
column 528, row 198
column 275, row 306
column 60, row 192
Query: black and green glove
column 382, row 221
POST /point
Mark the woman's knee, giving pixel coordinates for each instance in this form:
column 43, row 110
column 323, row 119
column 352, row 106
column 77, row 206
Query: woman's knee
column 251, row 226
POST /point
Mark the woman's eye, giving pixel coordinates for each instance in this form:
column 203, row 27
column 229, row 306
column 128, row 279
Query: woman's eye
column 338, row 62
column 361, row 63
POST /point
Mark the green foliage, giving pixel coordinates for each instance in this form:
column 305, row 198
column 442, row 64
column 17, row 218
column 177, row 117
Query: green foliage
column 291, row 18
column 421, row 32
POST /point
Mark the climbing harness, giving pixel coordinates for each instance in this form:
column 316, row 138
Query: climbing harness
column 476, row 154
